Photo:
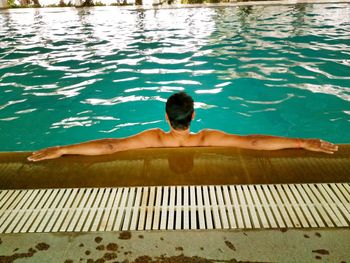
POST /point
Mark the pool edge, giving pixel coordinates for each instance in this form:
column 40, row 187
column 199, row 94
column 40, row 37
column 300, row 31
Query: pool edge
column 176, row 166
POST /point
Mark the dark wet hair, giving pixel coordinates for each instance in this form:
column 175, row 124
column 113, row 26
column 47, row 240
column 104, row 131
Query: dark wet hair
column 179, row 108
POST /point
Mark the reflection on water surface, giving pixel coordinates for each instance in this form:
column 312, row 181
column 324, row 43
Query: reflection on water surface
column 69, row 75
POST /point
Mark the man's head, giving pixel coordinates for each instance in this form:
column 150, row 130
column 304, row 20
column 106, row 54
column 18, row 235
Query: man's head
column 179, row 109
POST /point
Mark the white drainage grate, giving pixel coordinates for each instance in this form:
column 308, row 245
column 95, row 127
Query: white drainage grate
column 175, row 207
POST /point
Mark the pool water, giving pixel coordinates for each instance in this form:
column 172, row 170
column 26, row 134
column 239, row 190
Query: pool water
column 71, row 75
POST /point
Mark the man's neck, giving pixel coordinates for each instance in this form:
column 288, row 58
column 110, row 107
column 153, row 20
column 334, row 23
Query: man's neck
column 179, row 133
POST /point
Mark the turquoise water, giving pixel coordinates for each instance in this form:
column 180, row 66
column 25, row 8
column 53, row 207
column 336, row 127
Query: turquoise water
column 70, row 75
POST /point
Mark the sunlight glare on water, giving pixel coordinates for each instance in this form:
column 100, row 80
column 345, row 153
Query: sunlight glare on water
column 71, row 75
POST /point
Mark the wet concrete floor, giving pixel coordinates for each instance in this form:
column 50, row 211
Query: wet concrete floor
column 296, row 245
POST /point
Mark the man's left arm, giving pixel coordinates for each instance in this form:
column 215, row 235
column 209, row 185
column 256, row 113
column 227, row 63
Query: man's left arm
column 263, row 142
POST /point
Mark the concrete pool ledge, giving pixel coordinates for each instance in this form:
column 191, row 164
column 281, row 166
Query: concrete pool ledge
column 177, row 166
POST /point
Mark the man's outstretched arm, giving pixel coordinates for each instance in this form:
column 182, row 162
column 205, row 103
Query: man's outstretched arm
column 151, row 138
column 264, row 142
column 146, row 139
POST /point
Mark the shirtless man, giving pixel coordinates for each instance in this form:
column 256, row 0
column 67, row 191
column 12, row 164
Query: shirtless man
column 179, row 114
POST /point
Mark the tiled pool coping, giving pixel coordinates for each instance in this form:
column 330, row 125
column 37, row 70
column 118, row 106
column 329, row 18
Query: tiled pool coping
column 179, row 166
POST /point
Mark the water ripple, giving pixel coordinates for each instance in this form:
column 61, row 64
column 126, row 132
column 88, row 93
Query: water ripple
column 76, row 74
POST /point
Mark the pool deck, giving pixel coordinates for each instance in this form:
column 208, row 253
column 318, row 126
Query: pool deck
column 180, row 166
column 295, row 245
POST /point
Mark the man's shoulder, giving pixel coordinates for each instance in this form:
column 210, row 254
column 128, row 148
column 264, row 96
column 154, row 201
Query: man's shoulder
column 206, row 132
column 155, row 132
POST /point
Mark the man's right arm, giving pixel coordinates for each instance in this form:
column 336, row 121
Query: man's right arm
column 145, row 139
column 263, row 142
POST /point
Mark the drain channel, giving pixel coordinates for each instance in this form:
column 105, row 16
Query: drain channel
column 175, row 207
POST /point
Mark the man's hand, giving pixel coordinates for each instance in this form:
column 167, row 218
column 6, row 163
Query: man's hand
column 48, row 153
column 318, row 145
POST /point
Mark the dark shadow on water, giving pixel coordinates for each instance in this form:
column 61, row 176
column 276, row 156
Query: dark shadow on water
column 299, row 14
